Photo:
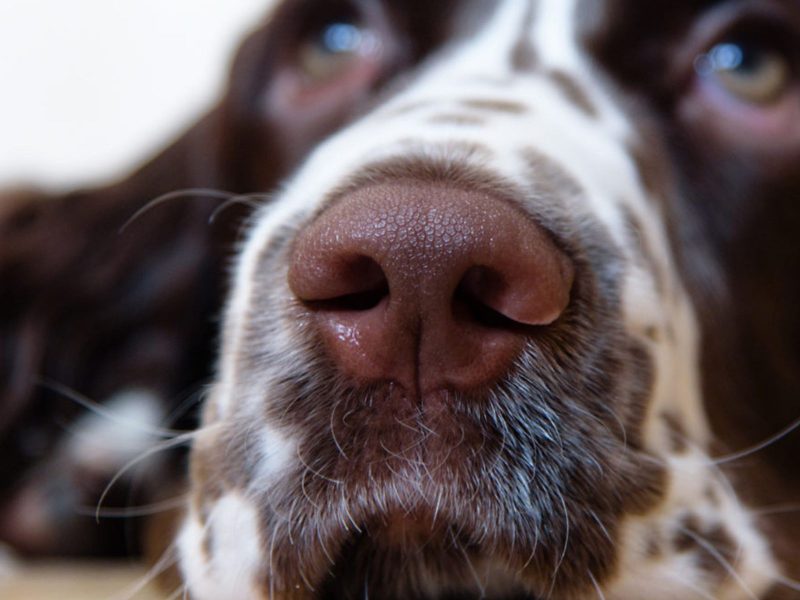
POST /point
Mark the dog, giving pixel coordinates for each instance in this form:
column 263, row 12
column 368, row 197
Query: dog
column 513, row 315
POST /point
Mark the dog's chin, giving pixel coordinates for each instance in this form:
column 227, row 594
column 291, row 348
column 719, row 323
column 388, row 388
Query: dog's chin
column 417, row 555
column 457, row 496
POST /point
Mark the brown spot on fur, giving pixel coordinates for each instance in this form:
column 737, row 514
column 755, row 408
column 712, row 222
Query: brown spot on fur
column 780, row 592
column 718, row 562
column 206, row 477
column 456, row 119
column 207, row 545
column 649, row 162
column 504, row 106
column 712, row 496
column 160, row 532
column 714, row 547
column 408, row 108
column 574, row 92
column 523, row 54
column 654, row 545
column 638, row 239
column 523, row 57
column 686, row 533
column 549, row 178
column 676, row 432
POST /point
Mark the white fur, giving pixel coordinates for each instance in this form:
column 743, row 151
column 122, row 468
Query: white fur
column 676, row 575
column 237, row 552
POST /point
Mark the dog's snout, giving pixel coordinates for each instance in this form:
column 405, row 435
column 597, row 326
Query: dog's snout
column 427, row 286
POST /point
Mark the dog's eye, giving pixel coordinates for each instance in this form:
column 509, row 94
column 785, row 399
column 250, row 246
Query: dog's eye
column 741, row 67
column 751, row 72
column 335, row 47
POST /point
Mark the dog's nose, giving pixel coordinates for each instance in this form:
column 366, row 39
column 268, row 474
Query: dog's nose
column 427, row 286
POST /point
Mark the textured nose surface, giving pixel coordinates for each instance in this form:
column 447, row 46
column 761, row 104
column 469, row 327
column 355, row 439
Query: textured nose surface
column 427, row 286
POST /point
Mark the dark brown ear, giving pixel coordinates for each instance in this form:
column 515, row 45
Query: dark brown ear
column 97, row 307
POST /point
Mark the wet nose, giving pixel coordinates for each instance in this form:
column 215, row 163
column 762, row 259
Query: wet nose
column 427, row 286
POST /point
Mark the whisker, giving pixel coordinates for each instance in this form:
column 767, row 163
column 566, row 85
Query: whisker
column 182, row 591
column 189, row 401
column 566, row 544
column 102, row 411
column 788, row 582
column 775, row 509
column 601, row 525
column 134, row 511
column 708, row 547
column 168, row 558
column 246, row 199
column 475, row 576
column 596, row 585
column 166, row 445
column 333, row 428
column 314, row 471
column 189, row 192
column 760, row 446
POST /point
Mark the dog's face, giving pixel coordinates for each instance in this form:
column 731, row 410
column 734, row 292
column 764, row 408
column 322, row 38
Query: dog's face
column 482, row 341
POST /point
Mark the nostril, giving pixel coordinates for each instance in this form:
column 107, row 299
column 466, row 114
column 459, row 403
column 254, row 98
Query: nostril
column 343, row 283
column 516, row 294
column 357, row 301
column 477, row 296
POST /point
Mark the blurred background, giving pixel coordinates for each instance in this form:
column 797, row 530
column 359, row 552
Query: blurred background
column 91, row 88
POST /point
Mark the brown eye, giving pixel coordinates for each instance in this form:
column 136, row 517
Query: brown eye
column 749, row 72
column 334, row 48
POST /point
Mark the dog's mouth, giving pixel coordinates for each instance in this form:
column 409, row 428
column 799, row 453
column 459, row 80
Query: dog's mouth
column 512, row 489
column 490, row 495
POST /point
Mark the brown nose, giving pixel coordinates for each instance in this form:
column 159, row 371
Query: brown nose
column 427, row 286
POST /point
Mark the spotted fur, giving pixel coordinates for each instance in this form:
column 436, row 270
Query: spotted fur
column 588, row 472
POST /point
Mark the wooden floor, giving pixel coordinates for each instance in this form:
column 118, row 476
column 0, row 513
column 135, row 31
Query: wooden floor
column 77, row 581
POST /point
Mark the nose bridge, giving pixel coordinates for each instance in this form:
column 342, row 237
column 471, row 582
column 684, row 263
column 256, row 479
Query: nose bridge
column 490, row 52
